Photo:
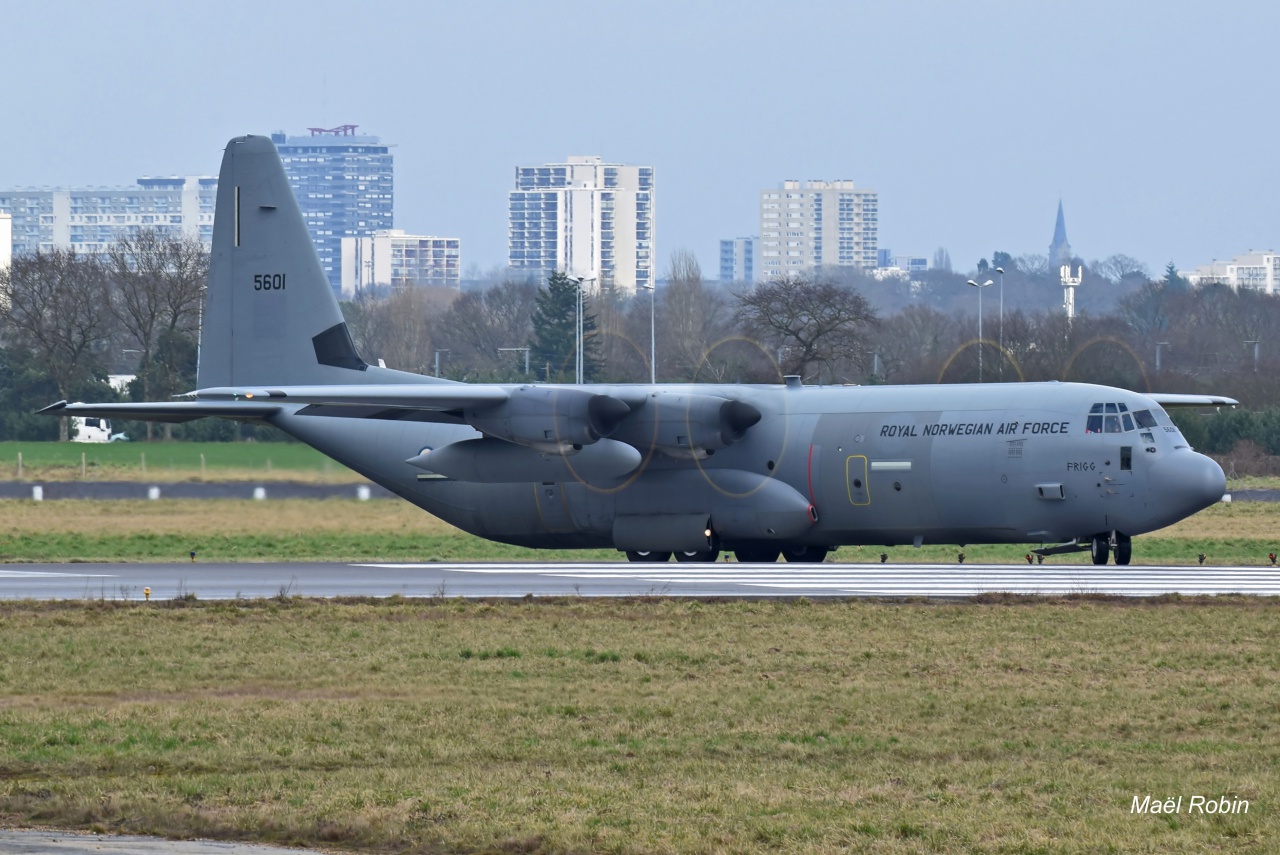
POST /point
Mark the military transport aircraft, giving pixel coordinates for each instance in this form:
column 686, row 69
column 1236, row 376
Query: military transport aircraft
column 657, row 470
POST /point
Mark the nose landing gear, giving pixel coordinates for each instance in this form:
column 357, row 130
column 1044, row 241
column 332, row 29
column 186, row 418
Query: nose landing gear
column 1102, row 545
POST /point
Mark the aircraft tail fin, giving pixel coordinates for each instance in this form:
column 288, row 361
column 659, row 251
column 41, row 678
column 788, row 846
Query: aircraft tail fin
column 270, row 315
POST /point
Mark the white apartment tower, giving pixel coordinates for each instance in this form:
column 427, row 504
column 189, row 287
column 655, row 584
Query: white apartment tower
column 91, row 219
column 585, row 218
column 6, row 240
column 394, row 260
column 1254, row 271
column 817, row 224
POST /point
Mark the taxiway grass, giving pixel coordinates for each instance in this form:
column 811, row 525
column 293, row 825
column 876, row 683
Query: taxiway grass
column 1241, row 533
column 245, row 530
column 170, row 462
column 646, row 726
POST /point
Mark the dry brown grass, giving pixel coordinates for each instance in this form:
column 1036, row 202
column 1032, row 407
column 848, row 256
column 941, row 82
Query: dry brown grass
column 1251, row 520
column 635, row 726
column 340, row 529
column 217, row 516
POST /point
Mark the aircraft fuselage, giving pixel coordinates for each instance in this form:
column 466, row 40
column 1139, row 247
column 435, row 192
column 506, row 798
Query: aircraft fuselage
column 826, row 466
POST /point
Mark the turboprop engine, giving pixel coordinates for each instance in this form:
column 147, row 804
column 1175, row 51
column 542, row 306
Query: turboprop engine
column 550, row 419
column 687, row 426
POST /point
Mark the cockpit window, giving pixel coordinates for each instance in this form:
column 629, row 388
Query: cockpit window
column 1114, row 417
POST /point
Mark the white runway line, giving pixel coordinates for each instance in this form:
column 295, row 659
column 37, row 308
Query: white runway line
column 31, row 574
column 911, row 580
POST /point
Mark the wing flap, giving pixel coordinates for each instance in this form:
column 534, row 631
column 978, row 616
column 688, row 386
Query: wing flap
column 175, row 412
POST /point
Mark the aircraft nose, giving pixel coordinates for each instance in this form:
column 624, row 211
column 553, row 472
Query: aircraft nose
column 1185, row 482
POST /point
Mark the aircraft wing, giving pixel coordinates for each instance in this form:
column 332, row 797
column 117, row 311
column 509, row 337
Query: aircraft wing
column 171, row 411
column 413, row 396
column 1167, row 401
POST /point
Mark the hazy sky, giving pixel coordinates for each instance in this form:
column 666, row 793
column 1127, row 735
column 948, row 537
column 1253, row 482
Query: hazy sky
column 1154, row 121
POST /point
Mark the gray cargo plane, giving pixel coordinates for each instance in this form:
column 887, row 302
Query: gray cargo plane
column 655, row 470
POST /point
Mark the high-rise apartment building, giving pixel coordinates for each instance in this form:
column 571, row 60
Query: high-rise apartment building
column 1254, row 271
column 6, row 240
column 393, row 259
column 739, row 259
column 343, row 183
column 91, row 219
column 585, row 218
column 817, row 224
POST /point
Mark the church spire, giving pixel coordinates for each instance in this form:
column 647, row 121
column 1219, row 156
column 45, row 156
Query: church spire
column 1059, row 250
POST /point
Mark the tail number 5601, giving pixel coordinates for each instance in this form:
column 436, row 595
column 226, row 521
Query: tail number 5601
column 268, row 281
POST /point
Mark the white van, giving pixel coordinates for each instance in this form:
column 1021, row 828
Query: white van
column 93, row 429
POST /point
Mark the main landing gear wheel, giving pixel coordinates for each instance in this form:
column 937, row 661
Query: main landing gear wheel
column 1124, row 548
column 1100, row 548
column 805, row 554
column 698, row 557
column 647, row 556
column 757, row 554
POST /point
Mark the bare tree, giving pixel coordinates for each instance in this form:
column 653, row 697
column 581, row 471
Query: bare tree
column 480, row 322
column 1034, row 264
column 51, row 304
column 398, row 328
column 159, row 283
column 915, row 343
column 810, row 323
column 1118, row 268
column 692, row 318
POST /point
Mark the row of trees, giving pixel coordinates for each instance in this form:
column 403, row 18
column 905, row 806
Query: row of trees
column 67, row 320
column 832, row 329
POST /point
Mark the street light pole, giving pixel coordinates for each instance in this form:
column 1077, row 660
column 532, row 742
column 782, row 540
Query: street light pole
column 1000, row 270
column 986, row 284
column 652, row 288
column 579, row 365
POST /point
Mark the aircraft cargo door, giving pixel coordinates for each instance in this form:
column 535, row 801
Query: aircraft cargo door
column 875, row 484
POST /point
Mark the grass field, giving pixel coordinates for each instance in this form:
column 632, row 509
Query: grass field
column 646, row 726
column 169, row 461
column 392, row 530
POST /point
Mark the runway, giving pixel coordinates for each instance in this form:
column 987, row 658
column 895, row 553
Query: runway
column 727, row 580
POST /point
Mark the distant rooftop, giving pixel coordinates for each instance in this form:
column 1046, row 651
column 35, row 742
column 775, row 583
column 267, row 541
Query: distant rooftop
column 343, row 135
